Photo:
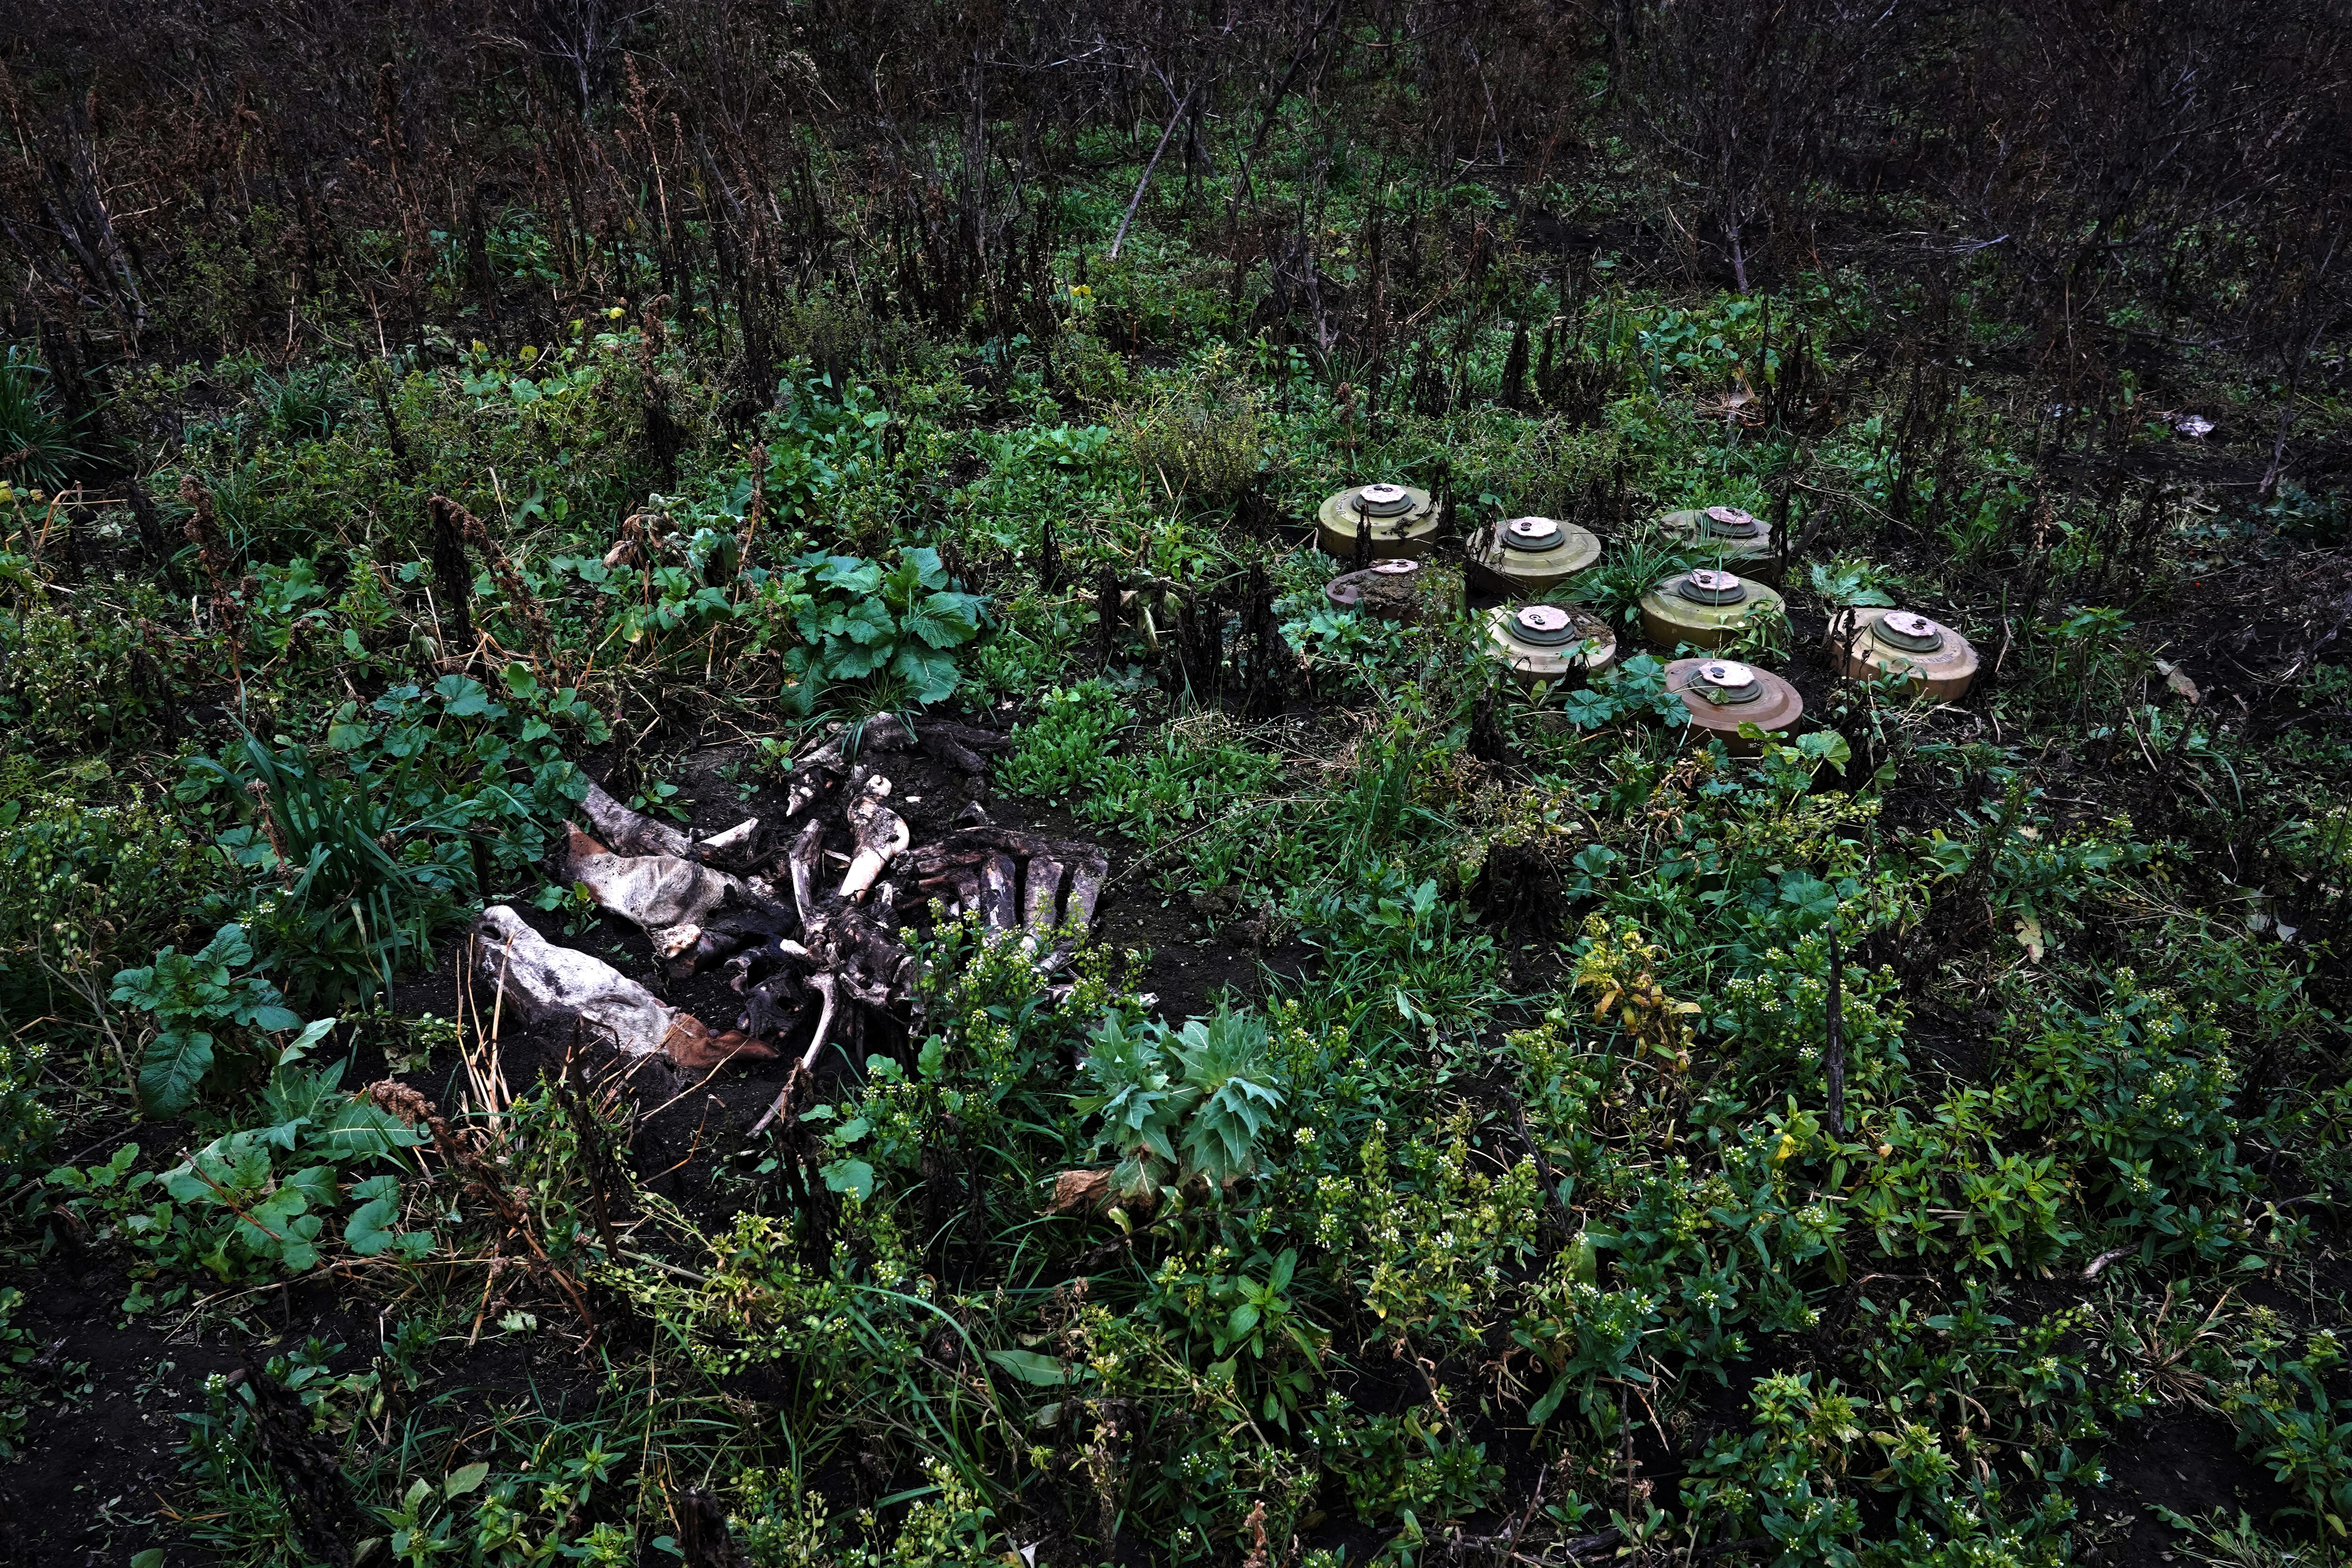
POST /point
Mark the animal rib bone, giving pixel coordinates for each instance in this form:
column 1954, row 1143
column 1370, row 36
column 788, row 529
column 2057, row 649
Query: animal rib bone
column 1041, row 886
column 736, row 849
column 826, row 989
column 800, row 861
column 733, row 837
column 1068, row 870
column 996, row 906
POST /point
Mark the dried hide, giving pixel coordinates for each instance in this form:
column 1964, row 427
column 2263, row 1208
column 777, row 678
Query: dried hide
column 693, row 915
column 551, row 984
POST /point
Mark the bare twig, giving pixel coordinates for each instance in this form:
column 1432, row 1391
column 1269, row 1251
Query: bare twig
column 1136, row 200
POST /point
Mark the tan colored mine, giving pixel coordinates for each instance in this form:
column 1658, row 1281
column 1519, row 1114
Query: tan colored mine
column 1733, row 540
column 1722, row 694
column 1530, row 556
column 1399, row 520
column 1927, row 655
column 1396, row 590
column 1704, row 608
column 1549, row 642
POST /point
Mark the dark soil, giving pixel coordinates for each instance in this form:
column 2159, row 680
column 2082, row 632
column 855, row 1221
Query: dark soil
column 98, row 1452
column 2188, row 1464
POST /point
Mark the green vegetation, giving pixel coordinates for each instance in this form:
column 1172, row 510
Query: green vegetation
column 1916, row 1138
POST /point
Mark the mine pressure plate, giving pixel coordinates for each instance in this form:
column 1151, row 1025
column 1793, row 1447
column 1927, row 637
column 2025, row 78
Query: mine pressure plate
column 1707, row 586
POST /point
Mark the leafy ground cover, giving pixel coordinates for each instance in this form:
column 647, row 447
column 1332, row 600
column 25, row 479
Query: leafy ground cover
column 1509, row 1129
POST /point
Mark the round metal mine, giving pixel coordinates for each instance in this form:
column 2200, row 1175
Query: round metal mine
column 1909, row 630
column 1704, row 608
column 1706, row 586
column 1546, row 625
column 1529, row 557
column 1395, row 520
column 1723, row 694
column 1927, row 655
column 1726, row 680
column 1391, row 590
column 1549, row 642
column 1730, row 536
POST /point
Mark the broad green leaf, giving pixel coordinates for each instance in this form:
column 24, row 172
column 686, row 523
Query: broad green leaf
column 370, row 1231
column 464, row 697
column 317, row 1184
column 929, row 571
column 175, row 1062
column 1030, row 1367
column 229, row 949
column 1813, row 898
column 1826, row 746
column 919, row 622
column 312, row 1033
column 866, row 621
column 855, row 577
column 850, row 1176
column 933, row 675
column 1594, row 859
column 846, row 661
column 362, row 1128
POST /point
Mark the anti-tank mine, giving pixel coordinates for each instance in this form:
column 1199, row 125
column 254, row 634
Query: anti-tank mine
column 1385, row 520
column 1530, row 558
column 1724, row 696
column 1704, row 608
column 1731, row 540
column 1394, row 590
column 1923, row 654
column 1549, row 642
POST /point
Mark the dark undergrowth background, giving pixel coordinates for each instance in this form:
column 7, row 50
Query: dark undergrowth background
column 1467, row 1049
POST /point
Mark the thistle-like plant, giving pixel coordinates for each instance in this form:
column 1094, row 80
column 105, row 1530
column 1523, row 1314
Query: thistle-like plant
column 1182, row 1107
column 1224, row 1063
column 1141, row 1105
